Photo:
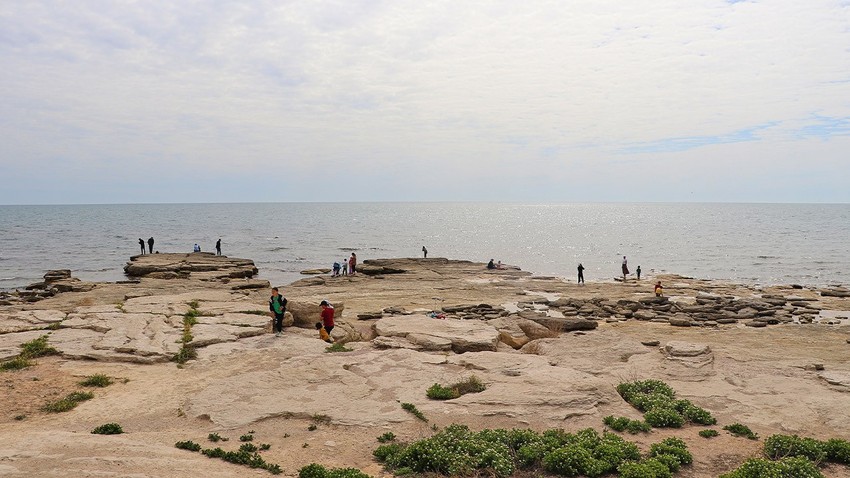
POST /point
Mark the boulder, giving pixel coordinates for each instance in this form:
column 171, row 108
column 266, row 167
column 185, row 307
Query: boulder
column 680, row 320
column 57, row 275
column 566, row 324
column 306, row 314
column 686, row 349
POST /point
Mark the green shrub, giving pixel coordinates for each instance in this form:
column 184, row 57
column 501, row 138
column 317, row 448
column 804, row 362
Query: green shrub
column 97, row 380
column 740, row 430
column 411, row 408
column 215, row 437
column 700, row 416
column 338, row 347
column 708, row 433
column 16, row 363
column 664, row 418
column 248, row 448
column 796, row 467
column 265, row 447
column 37, row 348
column 186, row 353
column 619, row 424
column 439, row 392
column 387, row 437
column 68, row 403
column 673, row 452
column 648, row 468
column 781, row 446
column 838, row 450
column 246, row 438
column 314, row 470
column 108, row 429
column 188, row 445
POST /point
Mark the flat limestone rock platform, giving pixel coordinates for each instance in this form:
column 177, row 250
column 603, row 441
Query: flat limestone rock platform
column 196, row 265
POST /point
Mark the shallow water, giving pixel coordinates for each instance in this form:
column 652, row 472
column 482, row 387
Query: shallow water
column 754, row 243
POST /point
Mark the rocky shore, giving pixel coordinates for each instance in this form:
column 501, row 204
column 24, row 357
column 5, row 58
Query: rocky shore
column 550, row 352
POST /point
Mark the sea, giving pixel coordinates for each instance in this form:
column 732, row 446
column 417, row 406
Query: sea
column 806, row 244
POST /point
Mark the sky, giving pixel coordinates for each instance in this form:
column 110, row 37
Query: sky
column 532, row 101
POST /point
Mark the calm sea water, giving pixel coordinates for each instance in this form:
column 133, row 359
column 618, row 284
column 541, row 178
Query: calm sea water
column 756, row 243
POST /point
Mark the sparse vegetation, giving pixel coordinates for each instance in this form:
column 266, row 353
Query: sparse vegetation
column 187, row 350
column 321, row 418
column 659, row 405
column 740, row 430
column 108, row 429
column 97, row 380
column 708, row 433
column 16, row 363
column 312, row 427
column 20, row 417
column 458, row 451
column 215, row 437
column 338, row 347
column 619, row 424
column 246, row 438
column 68, row 403
column 246, row 455
column 314, row 470
column 411, row 408
column 469, row 385
column 386, row 437
column 29, row 350
column 264, row 446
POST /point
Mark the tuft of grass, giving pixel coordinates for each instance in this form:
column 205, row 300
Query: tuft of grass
column 20, row 417
column 387, row 437
column 469, row 385
column 194, row 304
column 37, row 348
column 338, row 347
column 54, row 326
column 740, row 430
column 108, row 429
column 246, row 438
column 264, row 446
column 68, row 403
column 17, row 363
column 411, row 408
column 97, row 380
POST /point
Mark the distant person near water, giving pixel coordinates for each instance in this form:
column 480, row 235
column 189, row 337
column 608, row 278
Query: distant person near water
column 336, row 268
column 580, row 273
column 327, row 316
column 277, row 308
column 150, row 245
column 637, row 271
column 424, row 252
column 345, row 267
column 625, row 268
column 218, row 247
column 352, row 264
column 142, row 243
column 197, row 248
column 491, row 264
column 659, row 291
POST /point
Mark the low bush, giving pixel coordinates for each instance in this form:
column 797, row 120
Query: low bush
column 838, row 450
column 796, row 467
column 648, row 468
column 108, row 429
column 97, row 380
column 37, row 348
column 314, row 470
column 661, row 409
column 439, row 392
column 781, row 446
column 708, row 433
column 68, row 403
column 740, row 430
column 386, row 437
column 664, row 418
column 619, row 424
column 247, row 437
column 246, row 455
column 411, row 408
column 16, row 363
column 215, row 437
column 188, row 445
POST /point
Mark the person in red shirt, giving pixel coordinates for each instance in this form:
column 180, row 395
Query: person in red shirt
column 327, row 316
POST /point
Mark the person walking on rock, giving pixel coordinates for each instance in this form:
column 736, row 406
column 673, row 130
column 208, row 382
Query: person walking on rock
column 580, row 273
column 327, row 316
column 637, row 271
column 424, row 252
column 625, row 268
column 142, row 243
column 218, row 247
column 150, row 245
column 277, row 307
column 352, row 264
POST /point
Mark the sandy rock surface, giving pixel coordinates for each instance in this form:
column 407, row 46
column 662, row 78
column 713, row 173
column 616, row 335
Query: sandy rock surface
column 789, row 374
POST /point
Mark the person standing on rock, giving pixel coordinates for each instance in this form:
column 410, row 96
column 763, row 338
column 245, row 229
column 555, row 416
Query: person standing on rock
column 142, row 243
column 424, row 252
column 150, row 245
column 218, row 247
column 580, row 273
column 637, row 271
column 345, row 267
column 352, row 264
column 327, row 316
column 625, row 268
column 277, row 308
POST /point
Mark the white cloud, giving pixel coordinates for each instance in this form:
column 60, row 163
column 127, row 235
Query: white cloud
column 531, row 94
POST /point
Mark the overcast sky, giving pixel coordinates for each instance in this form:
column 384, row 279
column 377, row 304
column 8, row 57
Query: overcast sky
column 563, row 100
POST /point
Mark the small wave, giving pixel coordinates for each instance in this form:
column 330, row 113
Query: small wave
column 13, row 278
column 276, row 249
column 767, row 257
column 347, row 249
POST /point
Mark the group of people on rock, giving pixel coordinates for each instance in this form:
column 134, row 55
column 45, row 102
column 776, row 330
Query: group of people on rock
column 195, row 248
column 277, row 309
column 348, row 267
column 625, row 269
